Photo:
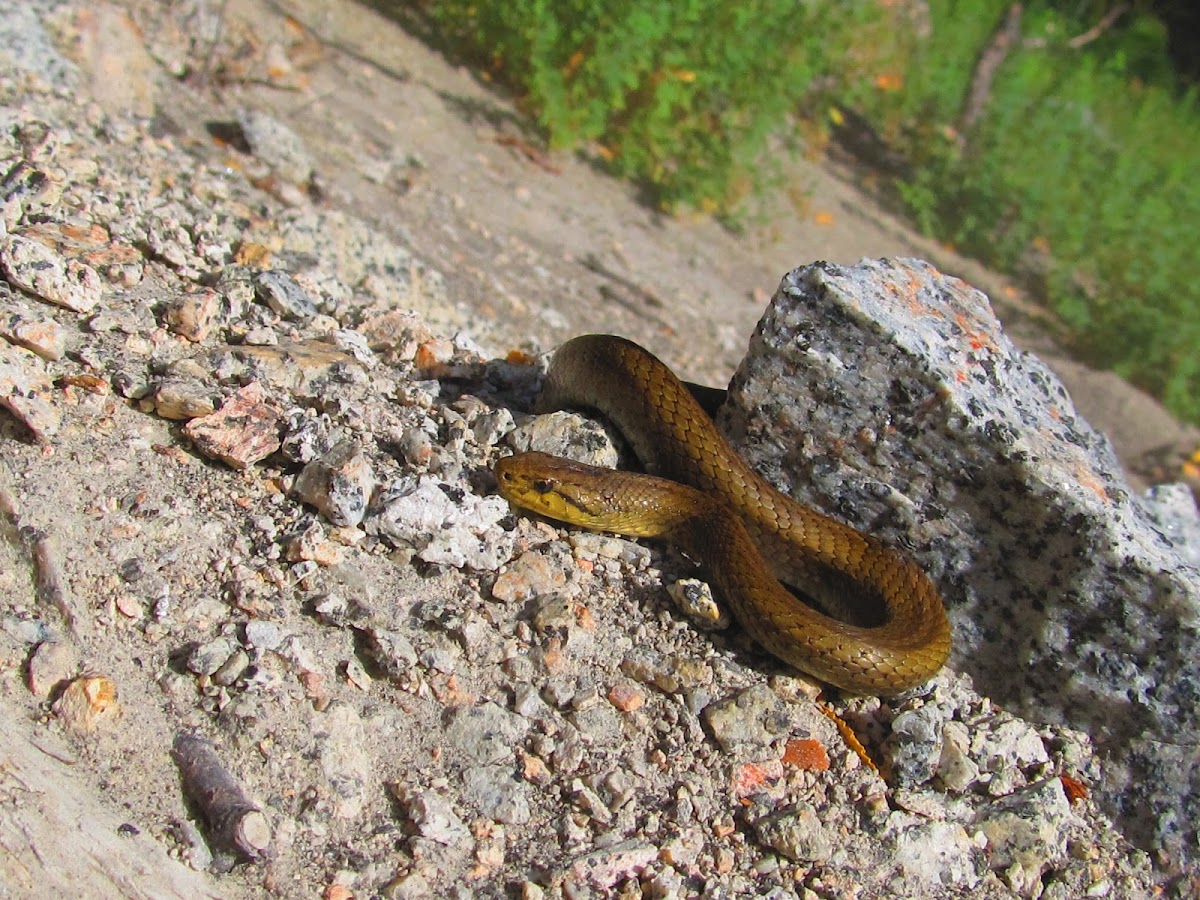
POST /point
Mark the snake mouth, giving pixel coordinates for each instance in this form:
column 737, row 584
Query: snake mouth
column 529, row 480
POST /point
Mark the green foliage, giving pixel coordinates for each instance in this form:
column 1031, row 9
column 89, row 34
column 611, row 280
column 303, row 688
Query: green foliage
column 681, row 95
column 1078, row 175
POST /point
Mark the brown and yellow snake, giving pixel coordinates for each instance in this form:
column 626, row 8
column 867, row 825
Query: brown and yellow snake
column 732, row 521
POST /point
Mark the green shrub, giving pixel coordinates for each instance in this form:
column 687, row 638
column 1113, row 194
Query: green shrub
column 680, row 95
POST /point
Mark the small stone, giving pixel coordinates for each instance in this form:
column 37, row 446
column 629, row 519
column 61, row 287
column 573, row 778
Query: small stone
column 357, row 675
column 262, row 336
column 591, row 546
column 307, row 437
column 490, row 427
column 345, row 764
column 1008, row 743
column 242, row 432
column 938, row 854
column 535, row 770
column 626, row 697
column 753, row 778
column 486, row 734
column 232, row 669
column 806, row 754
column 495, row 793
column 1027, row 832
column 169, row 240
column 605, row 867
column 262, row 635
column 694, row 598
column 591, row 803
column 915, row 744
column 43, row 272
column 669, row 675
column 45, row 337
column 338, row 484
column 86, row 703
column 446, row 524
column 410, row 886
column 435, row 819
column 416, row 446
column 51, row 663
column 925, row 803
column 393, row 651
column 207, row 658
column 665, row 885
column 752, row 718
column 276, row 145
column 554, row 613
column 956, row 771
column 566, row 434
column 441, row 659
column 528, row 702
column 195, row 315
column 481, row 641
column 305, row 540
column 434, row 355
column 396, row 333
column 26, row 389
column 26, row 189
column 797, row 833
column 683, row 851
column 284, row 296
column 532, row 574
column 132, row 381
column 181, row 398
column 353, row 343
column 129, row 606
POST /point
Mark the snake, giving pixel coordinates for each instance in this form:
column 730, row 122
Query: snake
column 860, row 614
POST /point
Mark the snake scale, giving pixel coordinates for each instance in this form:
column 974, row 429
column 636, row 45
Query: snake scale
column 746, row 534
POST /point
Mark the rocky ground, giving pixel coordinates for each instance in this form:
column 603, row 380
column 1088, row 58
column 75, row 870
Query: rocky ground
column 273, row 286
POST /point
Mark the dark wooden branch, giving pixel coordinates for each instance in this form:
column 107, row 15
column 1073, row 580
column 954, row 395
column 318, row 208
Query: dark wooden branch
column 1007, row 36
column 990, row 60
column 234, row 822
column 1099, row 28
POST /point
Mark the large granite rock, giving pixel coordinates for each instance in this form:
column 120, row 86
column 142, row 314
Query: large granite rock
column 887, row 394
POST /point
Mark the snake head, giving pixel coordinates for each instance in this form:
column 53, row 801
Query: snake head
column 589, row 496
column 550, row 486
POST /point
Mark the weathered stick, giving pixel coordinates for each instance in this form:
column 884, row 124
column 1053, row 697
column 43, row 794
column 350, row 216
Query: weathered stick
column 49, row 582
column 1005, row 38
column 52, row 585
column 234, row 822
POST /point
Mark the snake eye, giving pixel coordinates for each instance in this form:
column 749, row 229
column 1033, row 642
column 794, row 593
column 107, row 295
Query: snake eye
column 543, row 485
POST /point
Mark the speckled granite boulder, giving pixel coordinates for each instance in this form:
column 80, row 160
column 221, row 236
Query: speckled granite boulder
column 887, row 394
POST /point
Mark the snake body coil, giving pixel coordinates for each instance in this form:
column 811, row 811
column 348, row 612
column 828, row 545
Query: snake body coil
column 908, row 638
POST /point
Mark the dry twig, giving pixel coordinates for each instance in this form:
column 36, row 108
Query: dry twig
column 234, row 821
